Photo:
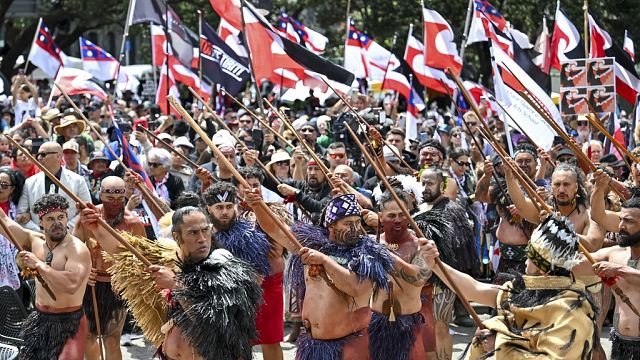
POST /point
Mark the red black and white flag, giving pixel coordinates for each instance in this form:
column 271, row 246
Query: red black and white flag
column 275, row 51
column 628, row 47
column 566, row 43
column 627, row 79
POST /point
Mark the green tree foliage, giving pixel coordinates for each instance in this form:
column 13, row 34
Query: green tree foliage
column 381, row 19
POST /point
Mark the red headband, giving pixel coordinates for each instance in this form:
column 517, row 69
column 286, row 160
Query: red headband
column 51, row 209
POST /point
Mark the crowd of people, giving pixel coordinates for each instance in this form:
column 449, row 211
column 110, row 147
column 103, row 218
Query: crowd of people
column 287, row 221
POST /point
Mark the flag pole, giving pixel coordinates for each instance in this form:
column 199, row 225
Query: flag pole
column 153, row 56
column 199, row 47
column 125, row 35
column 246, row 45
column 585, row 8
column 35, row 36
column 168, row 48
column 467, row 26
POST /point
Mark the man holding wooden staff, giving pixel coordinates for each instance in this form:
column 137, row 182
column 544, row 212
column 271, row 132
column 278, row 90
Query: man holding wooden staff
column 213, row 296
column 58, row 328
column 397, row 322
column 112, row 309
column 335, row 311
column 544, row 314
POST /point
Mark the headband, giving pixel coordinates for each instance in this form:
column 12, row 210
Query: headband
column 50, row 209
column 341, row 207
column 224, row 197
column 526, row 151
column 113, row 191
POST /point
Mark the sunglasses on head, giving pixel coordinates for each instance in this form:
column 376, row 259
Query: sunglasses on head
column 282, row 163
column 337, row 156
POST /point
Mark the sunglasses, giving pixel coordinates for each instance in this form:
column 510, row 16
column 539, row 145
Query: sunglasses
column 455, row 135
column 282, row 163
column 472, row 123
column 337, row 156
column 154, row 164
column 4, row 185
column 307, row 130
column 462, row 163
column 582, row 123
column 45, row 154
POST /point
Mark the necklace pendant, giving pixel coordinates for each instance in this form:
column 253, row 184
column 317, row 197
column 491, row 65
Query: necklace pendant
column 632, row 263
column 49, row 258
column 392, row 247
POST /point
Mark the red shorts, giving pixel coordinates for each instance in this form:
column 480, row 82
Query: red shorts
column 270, row 317
column 429, row 329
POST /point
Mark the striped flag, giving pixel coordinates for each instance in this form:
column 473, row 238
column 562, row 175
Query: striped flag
column 628, row 46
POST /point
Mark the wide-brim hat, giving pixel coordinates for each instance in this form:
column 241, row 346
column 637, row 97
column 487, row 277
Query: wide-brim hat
column 279, row 156
column 69, row 120
column 51, row 115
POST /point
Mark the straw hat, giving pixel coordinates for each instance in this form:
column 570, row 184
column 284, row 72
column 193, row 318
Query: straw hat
column 51, row 115
column 68, row 120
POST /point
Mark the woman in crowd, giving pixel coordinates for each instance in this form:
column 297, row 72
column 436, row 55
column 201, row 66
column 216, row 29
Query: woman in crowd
column 23, row 164
column 167, row 185
column 11, row 184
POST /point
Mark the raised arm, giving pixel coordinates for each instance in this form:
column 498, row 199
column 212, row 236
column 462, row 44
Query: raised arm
column 482, row 293
column 266, row 222
column 608, row 220
column 89, row 219
column 525, row 206
column 482, row 187
column 24, row 237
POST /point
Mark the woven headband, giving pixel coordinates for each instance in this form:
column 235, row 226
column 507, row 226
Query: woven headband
column 51, row 209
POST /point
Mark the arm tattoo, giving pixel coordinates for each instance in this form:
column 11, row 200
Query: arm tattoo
column 421, row 277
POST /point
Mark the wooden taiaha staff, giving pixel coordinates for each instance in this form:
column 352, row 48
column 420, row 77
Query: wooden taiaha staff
column 551, row 162
column 169, row 146
column 158, row 210
column 325, row 170
column 15, row 243
column 415, row 227
column 593, row 119
column 96, row 315
column 484, row 128
column 536, row 104
column 291, row 243
column 81, row 204
column 226, row 127
column 262, row 122
column 363, row 122
column 503, row 191
column 534, row 195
